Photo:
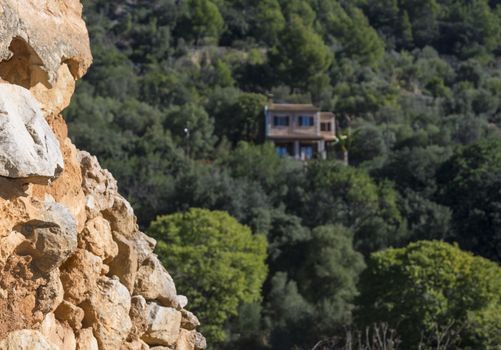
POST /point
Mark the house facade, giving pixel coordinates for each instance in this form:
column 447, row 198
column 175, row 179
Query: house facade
column 300, row 131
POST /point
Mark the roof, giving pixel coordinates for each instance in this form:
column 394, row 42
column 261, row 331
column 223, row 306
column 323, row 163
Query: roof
column 293, row 137
column 292, row 107
column 326, row 115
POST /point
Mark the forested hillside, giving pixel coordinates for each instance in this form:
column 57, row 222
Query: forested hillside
column 173, row 106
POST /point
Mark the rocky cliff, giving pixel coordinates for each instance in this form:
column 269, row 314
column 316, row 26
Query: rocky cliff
column 76, row 272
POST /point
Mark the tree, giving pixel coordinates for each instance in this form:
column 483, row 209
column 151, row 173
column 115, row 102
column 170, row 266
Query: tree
column 258, row 163
column 244, row 119
column 203, row 20
column 215, row 261
column 358, row 40
column 317, row 299
column 269, row 20
column 367, row 144
column 329, row 274
column 432, row 284
column 300, row 54
column 469, row 185
column 192, row 128
column 338, row 194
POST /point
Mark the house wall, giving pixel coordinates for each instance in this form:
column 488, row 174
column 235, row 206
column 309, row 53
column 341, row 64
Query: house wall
column 293, row 129
column 329, row 135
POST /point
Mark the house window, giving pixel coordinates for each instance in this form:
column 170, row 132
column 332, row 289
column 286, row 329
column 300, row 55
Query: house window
column 306, row 121
column 326, row 126
column 306, row 152
column 280, row 121
column 282, row 150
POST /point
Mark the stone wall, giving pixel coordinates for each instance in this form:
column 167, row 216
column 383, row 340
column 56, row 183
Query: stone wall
column 76, row 272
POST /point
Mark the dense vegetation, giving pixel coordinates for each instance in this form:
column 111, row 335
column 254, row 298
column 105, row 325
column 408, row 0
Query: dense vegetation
column 212, row 254
column 173, row 107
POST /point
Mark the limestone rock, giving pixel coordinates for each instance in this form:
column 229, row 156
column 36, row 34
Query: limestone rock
column 135, row 345
column 154, row 283
column 50, row 294
column 99, row 185
column 163, row 325
column 58, row 334
column 70, row 313
column 185, row 341
column 97, row 238
column 144, row 245
column 121, row 218
column 80, row 275
column 189, row 321
column 138, row 316
column 53, row 237
column 26, row 339
column 28, row 146
column 37, row 39
column 124, row 265
column 190, row 340
column 86, row 340
column 8, row 244
column 71, row 252
column 107, row 312
column 199, row 341
column 182, row 300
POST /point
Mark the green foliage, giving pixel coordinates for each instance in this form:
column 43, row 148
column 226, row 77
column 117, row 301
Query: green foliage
column 240, row 118
column 351, row 30
column 269, row 21
column 432, row 283
column 335, row 193
column 469, row 185
column 412, row 83
column 303, row 312
column 300, row 54
column 192, row 128
column 216, row 262
column 203, row 20
column 330, row 273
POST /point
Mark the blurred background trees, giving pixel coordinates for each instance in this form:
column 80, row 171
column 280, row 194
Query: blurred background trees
column 173, row 106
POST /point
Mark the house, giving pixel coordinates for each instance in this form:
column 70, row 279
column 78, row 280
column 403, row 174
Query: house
column 299, row 130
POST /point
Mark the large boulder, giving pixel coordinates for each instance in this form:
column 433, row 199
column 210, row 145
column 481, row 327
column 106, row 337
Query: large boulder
column 107, row 312
column 163, row 325
column 121, row 217
column 86, row 340
column 26, row 339
column 125, row 264
column 138, row 316
column 98, row 184
column 50, row 293
column 57, row 333
column 96, row 237
column 70, row 314
column 52, row 238
column 189, row 320
column 190, row 340
column 79, row 275
column 28, row 146
column 154, row 283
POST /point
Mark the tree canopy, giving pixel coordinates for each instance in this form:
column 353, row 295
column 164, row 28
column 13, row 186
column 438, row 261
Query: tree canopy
column 430, row 286
column 173, row 107
column 215, row 261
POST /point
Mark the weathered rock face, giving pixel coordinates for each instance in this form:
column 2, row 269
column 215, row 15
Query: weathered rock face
column 28, row 147
column 75, row 270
